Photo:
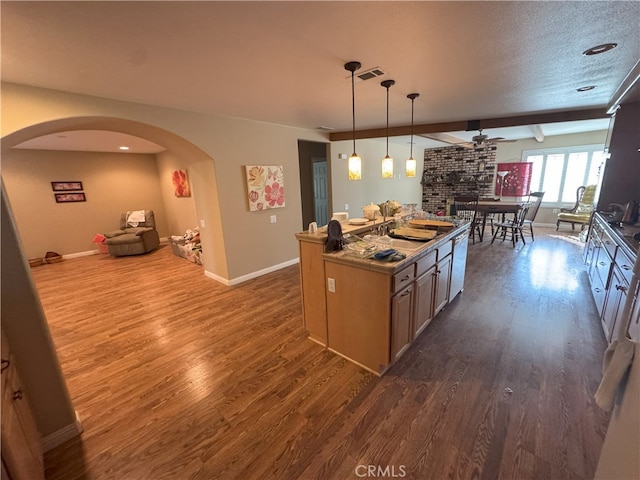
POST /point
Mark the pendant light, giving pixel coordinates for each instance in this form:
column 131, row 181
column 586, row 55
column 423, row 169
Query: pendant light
column 410, row 166
column 387, row 161
column 355, row 162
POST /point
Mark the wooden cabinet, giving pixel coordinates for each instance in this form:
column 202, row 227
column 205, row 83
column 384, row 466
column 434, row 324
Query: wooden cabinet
column 370, row 312
column 424, row 298
column 443, row 276
column 401, row 322
column 21, row 444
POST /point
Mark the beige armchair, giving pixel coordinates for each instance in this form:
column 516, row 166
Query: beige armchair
column 137, row 234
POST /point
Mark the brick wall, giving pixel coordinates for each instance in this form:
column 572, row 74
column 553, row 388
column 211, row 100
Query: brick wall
column 453, row 171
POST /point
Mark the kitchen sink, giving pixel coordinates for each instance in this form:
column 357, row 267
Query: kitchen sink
column 405, row 244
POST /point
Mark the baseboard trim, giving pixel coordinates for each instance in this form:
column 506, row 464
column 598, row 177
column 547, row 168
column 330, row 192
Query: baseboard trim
column 66, row 433
column 81, row 254
column 249, row 276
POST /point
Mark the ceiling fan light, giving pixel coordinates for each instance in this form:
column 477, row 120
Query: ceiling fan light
column 387, row 167
column 410, row 167
column 355, row 167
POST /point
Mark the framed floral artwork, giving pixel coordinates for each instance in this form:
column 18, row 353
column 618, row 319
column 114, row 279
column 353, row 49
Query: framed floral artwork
column 265, row 186
column 516, row 181
column 180, row 181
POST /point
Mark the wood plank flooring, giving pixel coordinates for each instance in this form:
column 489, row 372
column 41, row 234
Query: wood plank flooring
column 178, row 377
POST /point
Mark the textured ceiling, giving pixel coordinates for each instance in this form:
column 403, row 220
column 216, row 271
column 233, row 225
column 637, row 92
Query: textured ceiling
column 282, row 62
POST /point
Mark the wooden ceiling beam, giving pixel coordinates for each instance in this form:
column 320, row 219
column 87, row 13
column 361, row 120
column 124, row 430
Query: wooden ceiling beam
column 502, row 122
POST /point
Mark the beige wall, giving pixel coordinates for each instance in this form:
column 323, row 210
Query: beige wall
column 180, row 212
column 25, row 326
column 241, row 242
column 113, row 183
column 372, row 187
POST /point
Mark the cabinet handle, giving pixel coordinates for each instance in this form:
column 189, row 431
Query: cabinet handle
column 625, row 267
column 406, row 277
column 17, row 395
column 602, row 264
column 621, row 288
column 5, row 364
column 405, row 293
column 597, row 290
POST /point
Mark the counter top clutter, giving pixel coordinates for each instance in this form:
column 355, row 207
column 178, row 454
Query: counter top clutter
column 368, row 301
column 187, row 246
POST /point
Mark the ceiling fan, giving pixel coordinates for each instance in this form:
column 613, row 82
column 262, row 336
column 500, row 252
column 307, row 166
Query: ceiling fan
column 476, row 140
column 481, row 138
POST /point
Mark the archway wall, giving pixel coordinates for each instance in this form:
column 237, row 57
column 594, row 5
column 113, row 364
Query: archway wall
column 237, row 243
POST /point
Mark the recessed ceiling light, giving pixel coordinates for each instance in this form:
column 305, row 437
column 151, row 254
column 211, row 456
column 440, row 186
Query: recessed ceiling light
column 585, row 89
column 605, row 47
column 124, row 147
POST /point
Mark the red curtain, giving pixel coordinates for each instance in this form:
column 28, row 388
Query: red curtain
column 517, row 181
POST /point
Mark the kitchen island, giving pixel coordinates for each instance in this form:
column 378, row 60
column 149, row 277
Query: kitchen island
column 370, row 311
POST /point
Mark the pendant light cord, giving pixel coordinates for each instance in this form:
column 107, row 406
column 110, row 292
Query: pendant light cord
column 411, row 155
column 353, row 110
column 387, row 121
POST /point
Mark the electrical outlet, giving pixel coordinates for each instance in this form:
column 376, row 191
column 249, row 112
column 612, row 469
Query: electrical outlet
column 331, row 284
column 346, row 207
column 273, row 219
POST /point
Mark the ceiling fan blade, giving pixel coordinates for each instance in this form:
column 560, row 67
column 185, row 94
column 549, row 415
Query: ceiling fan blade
column 446, row 138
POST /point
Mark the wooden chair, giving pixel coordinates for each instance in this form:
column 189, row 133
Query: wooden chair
column 512, row 227
column 465, row 207
column 535, row 200
column 581, row 212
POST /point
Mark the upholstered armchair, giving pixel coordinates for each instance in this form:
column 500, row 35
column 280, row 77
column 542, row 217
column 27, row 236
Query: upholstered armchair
column 581, row 212
column 137, row 234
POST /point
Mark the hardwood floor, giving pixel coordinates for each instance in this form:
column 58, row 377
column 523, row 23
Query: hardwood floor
column 178, row 377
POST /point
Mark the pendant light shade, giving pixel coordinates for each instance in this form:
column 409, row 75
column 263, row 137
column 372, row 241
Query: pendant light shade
column 387, row 161
column 355, row 162
column 411, row 164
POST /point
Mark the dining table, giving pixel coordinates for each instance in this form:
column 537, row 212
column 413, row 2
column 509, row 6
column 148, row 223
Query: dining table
column 499, row 207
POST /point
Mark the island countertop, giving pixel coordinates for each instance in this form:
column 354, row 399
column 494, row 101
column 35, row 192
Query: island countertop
column 412, row 255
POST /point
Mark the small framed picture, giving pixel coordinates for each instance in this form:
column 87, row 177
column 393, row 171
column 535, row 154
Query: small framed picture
column 66, row 186
column 70, row 197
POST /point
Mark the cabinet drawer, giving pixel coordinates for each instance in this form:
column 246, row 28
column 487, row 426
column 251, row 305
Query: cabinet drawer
column 403, row 278
column 609, row 244
column 625, row 264
column 425, row 263
column 445, row 249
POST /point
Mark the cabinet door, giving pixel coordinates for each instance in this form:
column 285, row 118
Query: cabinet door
column 21, row 448
column 401, row 320
column 424, row 300
column 614, row 305
column 442, row 283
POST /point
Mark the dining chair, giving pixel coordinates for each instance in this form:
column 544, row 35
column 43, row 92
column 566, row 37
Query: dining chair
column 466, row 208
column 512, row 227
column 535, row 199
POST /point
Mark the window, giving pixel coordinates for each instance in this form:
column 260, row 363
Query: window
column 558, row 172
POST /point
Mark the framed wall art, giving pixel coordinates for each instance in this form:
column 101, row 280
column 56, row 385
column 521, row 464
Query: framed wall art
column 180, row 181
column 70, row 197
column 66, row 186
column 265, row 186
column 516, row 181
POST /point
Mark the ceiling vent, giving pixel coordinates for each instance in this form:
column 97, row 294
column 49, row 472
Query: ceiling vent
column 369, row 74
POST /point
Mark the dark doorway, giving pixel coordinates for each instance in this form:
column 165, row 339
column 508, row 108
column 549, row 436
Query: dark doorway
column 315, row 182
